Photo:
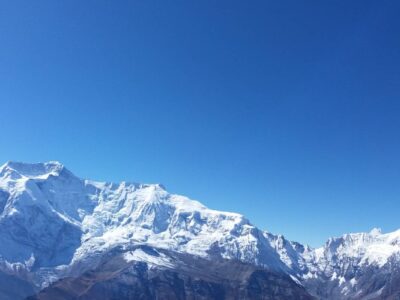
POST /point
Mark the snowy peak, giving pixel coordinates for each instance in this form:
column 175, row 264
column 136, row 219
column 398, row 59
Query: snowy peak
column 354, row 266
column 33, row 171
column 361, row 249
column 375, row 231
column 370, row 247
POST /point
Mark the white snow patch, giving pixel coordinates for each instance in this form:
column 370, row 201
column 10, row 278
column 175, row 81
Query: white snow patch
column 156, row 260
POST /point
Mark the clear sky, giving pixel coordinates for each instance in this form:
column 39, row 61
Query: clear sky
column 285, row 111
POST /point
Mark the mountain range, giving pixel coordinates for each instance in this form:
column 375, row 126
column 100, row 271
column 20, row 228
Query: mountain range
column 63, row 237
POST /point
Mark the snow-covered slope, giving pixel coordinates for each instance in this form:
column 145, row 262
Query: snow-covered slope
column 356, row 265
column 54, row 224
column 61, row 219
column 373, row 248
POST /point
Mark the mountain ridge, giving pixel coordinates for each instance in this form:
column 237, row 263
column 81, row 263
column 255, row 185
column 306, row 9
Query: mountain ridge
column 66, row 224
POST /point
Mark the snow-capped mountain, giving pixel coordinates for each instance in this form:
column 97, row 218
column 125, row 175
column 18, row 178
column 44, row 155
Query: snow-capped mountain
column 55, row 226
column 356, row 266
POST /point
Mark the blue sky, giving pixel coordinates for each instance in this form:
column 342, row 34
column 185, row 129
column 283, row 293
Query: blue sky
column 285, row 111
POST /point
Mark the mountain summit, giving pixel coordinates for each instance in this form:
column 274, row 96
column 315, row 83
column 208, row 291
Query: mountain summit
column 32, row 170
column 57, row 229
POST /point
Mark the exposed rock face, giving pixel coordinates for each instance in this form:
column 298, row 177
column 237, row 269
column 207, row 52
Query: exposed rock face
column 147, row 273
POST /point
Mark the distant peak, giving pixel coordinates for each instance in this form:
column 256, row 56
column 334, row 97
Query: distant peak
column 34, row 170
column 17, row 165
column 160, row 186
column 375, row 231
